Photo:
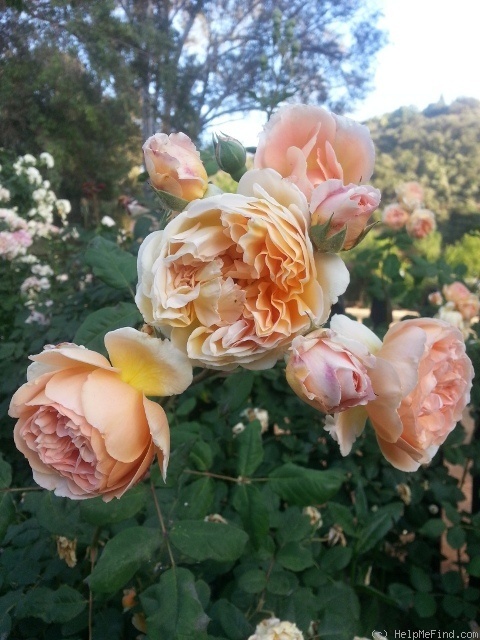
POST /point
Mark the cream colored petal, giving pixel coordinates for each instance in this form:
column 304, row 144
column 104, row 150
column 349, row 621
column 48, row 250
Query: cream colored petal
column 259, row 182
column 333, row 276
column 116, row 410
column 355, row 331
column 160, row 431
column 346, row 426
column 149, row 364
column 67, row 356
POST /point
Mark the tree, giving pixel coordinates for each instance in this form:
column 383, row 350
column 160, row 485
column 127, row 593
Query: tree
column 189, row 61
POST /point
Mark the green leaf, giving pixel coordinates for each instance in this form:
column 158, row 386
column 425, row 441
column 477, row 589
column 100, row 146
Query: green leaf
column 231, row 620
column 336, row 559
column 456, row 537
column 391, row 266
column 7, row 514
column 98, row 512
column 295, row 557
column 433, row 528
column 305, row 487
column 249, row 503
column 173, row 608
column 170, row 202
column 341, row 611
column 93, row 329
column 453, row 605
column 402, row 594
column 196, row 499
column 378, row 526
column 51, row 606
column 122, row 557
column 420, row 579
column 58, row 515
column 250, row 449
column 452, row 582
column 473, row 567
column 201, row 455
column 5, row 473
column 282, row 583
column 200, row 540
column 236, row 390
column 253, row 581
column 424, row 604
column 112, row 265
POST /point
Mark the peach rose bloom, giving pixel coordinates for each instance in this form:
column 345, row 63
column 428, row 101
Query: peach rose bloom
column 85, row 425
column 174, row 165
column 410, row 195
column 421, row 379
column 395, row 217
column 310, row 145
column 348, row 206
column 233, row 278
column 455, row 291
column 469, row 307
column 329, row 373
column 421, row 223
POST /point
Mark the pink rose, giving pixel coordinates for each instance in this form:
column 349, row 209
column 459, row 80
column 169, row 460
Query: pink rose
column 436, row 377
column 435, row 298
column 309, row 145
column 455, row 291
column 234, row 278
column 328, row 373
column 85, row 425
column 395, row 216
column 410, row 195
column 421, row 223
column 421, row 378
column 174, row 165
column 469, row 307
column 350, row 205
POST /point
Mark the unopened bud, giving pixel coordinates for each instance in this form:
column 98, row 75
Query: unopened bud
column 230, row 154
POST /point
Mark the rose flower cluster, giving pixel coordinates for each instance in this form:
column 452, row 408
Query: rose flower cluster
column 242, row 280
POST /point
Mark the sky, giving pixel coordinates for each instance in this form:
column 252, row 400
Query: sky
column 433, row 50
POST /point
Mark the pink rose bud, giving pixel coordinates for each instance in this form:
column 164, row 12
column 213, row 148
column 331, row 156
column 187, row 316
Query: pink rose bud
column 395, row 217
column 421, row 224
column 345, row 206
column 310, row 145
column 174, row 165
column 435, row 298
column 326, row 374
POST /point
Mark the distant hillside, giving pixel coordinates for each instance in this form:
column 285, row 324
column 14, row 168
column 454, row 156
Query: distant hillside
column 440, row 148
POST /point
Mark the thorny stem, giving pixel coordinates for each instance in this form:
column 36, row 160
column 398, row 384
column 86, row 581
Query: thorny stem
column 238, row 480
column 14, row 489
column 162, row 525
column 93, row 557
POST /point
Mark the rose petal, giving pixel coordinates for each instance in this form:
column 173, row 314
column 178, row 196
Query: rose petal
column 116, row 410
column 148, row 364
column 160, row 431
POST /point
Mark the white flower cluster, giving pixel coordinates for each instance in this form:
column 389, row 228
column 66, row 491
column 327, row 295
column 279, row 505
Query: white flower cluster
column 45, row 202
column 274, row 629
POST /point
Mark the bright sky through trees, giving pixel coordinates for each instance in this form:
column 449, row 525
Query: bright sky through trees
column 432, row 52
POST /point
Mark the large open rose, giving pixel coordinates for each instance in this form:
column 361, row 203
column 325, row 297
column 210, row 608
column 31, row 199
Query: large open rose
column 309, row 145
column 85, row 426
column 233, row 278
